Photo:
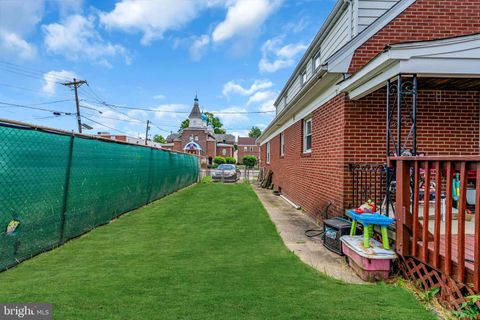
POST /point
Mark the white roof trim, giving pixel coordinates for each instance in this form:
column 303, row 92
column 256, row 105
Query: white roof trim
column 340, row 60
column 312, row 49
column 424, row 58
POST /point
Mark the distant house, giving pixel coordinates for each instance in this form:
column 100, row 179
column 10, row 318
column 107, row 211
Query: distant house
column 128, row 139
column 200, row 139
column 247, row 146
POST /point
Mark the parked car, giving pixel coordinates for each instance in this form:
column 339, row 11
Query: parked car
column 226, row 173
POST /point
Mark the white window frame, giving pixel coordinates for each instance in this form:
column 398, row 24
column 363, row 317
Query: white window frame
column 282, row 144
column 307, row 134
column 303, row 77
column 224, row 152
column 317, row 58
column 245, row 149
column 268, row 152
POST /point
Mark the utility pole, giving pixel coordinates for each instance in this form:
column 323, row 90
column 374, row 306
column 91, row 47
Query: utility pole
column 146, row 132
column 76, row 84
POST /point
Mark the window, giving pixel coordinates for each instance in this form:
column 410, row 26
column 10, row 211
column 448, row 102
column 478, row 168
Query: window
column 304, row 77
column 316, row 61
column 245, row 148
column 196, row 138
column 224, row 151
column 282, row 144
column 251, row 149
column 307, row 135
column 268, row 152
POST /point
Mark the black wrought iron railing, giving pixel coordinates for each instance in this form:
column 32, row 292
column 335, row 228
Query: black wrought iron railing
column 373, row 182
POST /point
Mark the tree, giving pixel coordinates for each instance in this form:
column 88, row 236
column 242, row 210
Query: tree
column 255, row 132
column 185, row 124
column 212, row 121
column 215, row 123
column 159, row 138
column 249, row 161
column 230, row 160
column 219, row 160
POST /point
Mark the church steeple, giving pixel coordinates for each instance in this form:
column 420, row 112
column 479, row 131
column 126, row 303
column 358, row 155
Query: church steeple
column 195, row 116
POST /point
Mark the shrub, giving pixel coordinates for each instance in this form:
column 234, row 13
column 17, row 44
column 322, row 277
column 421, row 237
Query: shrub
column 230, row 160
column 206, row 180
column 249, row 161
column 219, row 160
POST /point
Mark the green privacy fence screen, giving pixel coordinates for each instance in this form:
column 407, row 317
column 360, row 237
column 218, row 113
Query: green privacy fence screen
column 55, row 186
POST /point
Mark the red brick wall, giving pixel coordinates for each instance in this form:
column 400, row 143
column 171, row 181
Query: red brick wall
column 211, row 147
column 423, row 20
column 229, row 151
column 312, row 180
column 241, row 153
column 354, row 132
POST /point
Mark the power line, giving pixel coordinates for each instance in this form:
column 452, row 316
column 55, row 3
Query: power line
column 103, row 125
column 51, row 102
column 15, row 105
column 15, row 68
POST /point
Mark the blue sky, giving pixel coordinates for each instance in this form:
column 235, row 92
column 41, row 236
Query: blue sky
column 151, row 54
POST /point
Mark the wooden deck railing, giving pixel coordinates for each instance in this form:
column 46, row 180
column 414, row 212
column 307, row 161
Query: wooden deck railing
column 425, row 228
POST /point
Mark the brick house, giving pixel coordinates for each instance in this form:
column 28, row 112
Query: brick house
column 332, row 111
column 392, row 84
column 200, row 139
column 247, row 146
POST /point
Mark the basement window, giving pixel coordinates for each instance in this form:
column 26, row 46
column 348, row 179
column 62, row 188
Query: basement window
column 268, row 152
column 307, row 135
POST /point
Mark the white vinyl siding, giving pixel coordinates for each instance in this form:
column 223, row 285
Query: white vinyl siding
column 351, row 22
column 371, row 10
column 292, row 91
column 337, row 37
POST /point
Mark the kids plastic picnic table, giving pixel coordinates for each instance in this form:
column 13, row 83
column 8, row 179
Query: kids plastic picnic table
column 369, row 220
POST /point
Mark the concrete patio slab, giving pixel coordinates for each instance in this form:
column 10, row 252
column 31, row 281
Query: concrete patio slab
column 291, row 225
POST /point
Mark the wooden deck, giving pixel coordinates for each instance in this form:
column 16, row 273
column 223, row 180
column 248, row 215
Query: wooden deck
column 469, row 249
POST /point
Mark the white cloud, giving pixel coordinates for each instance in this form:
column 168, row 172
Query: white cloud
column 20, row 17
column 260, row 96
column 240, row 133
column 153, row 18
column 244, row 18
column 17, row 20
column 161, row 111
column 235, row 87
column 158, row 97
column 233, row 118
column 51, row 78
column 268, row 105
column 77, row 38
column 198, row 47
column 13, row 44
column 68, row 7
column 276, row 56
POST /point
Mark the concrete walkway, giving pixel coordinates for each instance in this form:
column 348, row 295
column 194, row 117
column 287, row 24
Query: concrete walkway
column 291, row 225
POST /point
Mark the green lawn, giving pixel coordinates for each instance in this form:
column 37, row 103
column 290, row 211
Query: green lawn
column 207, row 252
